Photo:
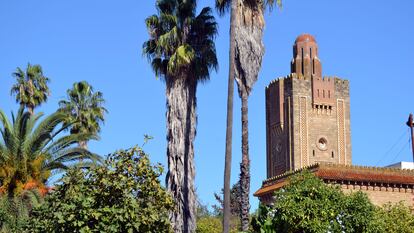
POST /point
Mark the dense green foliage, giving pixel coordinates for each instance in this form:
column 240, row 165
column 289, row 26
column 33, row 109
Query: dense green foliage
column 209, row 225
column 210, row 222
column 31, row 88
column 234, row 201
column 32, row 149
column 393, row 218
column 123, row 195
column 307, row 204
column 84, row 109
column 15, row 211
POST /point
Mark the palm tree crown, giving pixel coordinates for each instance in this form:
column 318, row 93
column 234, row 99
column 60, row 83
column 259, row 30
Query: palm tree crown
column 31, row 88
column 84, row 109
column 180, row 41
column 30, row 150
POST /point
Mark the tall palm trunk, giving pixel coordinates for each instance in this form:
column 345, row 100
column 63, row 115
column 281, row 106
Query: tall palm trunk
column 249, row 54
column 245, row 167
column 229, row 128
column 181, row 131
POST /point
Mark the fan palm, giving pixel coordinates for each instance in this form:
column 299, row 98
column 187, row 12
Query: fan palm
column 84, row 110
column 246, row 53
column 181, row 50
column 31, row 88
column 30, row 150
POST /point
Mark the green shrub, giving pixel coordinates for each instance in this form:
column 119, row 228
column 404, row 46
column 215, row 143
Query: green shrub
column 209, row 225
column 123, row 195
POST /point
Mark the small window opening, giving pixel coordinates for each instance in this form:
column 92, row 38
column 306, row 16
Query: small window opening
column 303, row 72
column 313, row 153
column 313, row 66
column 332, row 154
column 318, row 92
column 329, row 94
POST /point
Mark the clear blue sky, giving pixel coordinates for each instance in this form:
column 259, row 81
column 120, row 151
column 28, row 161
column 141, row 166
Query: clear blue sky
column 370, row 43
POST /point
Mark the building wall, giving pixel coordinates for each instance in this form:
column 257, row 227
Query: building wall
column 383, row 195
column 300, row 131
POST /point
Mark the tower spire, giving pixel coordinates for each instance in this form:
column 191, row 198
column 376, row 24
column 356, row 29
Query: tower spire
column 305, row 57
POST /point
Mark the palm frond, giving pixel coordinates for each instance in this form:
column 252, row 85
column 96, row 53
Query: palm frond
column 223, row 6
column 181, row 42
column 272, row 3
column 9, row 138
column 166, row 6
column 41, row 136
column 184, row 55
column 69, row 140
column 73, row 154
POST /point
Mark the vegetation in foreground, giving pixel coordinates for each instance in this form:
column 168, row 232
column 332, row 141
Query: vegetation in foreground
column 31, row 150
column 34, row 147
column 122, row 195
column 307, row 204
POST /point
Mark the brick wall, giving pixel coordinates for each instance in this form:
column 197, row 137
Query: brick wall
column 382, row 195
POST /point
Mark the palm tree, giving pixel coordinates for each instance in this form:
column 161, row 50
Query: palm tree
column 31, row 88
column 246, row 53
column 181, row 50
column 31, row 150
column 84, row 110
column 15, row 211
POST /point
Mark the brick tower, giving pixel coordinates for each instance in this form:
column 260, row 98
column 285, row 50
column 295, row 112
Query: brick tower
column 307, row 115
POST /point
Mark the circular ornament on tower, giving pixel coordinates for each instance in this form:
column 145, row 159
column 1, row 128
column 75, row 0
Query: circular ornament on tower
column 322, row 143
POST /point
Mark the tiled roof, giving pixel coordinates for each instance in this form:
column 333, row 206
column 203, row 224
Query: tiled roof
column 345, row 173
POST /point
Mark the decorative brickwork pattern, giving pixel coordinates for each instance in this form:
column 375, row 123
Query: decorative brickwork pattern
column 341, row 132
column 303, row 121
column 277, row 150
column 304, row 107
column 290, row 135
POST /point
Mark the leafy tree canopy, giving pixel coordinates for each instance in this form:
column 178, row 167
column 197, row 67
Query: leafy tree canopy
column 307, row 204
column 235, row 194
column 393, row 218
column 123, row 195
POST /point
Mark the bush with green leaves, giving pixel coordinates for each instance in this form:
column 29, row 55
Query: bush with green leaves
column 395, row 218
column 209, row 224
column 307, row 204
column 123, row 195
column 15, row 211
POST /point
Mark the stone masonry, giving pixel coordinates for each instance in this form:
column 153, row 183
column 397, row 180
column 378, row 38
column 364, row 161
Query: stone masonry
column 307, row 115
